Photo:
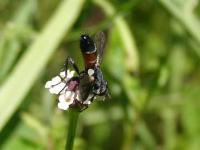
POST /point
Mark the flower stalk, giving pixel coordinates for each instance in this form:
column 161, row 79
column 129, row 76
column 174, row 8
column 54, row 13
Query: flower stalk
column 73, row 119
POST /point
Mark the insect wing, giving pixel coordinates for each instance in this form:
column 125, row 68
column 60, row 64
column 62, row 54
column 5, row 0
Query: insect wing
column 99, row 40
column 84, row 87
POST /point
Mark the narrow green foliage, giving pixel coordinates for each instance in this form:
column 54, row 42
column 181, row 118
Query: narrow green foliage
column 151, row 63
column 34, row 60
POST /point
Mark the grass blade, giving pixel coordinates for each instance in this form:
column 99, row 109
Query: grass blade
column 36, row 57
column 127, row 38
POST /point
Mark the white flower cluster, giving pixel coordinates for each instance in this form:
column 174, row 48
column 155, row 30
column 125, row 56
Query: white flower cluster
column 58, row 86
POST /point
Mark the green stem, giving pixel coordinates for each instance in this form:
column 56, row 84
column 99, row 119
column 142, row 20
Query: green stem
column 73, row 119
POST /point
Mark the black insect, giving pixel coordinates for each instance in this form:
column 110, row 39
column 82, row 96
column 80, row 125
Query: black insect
column 90, row 82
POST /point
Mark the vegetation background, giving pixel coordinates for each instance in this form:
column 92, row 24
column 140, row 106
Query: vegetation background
column 151, row 63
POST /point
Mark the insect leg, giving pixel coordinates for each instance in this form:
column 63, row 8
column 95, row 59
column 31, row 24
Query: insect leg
column 71, row 62
column 66, row 84
column 85, row 107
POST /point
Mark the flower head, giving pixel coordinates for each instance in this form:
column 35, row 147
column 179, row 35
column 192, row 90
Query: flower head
column 67, row 88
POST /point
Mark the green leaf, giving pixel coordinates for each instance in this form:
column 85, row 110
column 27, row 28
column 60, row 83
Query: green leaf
column 34, row 60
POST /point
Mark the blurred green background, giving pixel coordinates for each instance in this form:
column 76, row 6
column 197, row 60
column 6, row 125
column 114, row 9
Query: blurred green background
column 151, row 63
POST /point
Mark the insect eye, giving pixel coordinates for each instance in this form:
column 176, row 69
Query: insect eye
column 86, row 44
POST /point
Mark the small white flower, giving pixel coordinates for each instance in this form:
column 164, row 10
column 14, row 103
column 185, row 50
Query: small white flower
column 71, row 98
column 63, row 105
column 70, row 74
column 56, row 85
column 67, row 96
column 61, row 98
column 55, row 80
column 57, row 88
column 65, row 100
column 62, row 74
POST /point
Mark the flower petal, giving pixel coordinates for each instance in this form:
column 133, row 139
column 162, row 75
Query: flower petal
column 48, row 84
column 68, row 94
column 55, row 80
column 62, row 74
column 63, row 106
column 61, row 98
column 71, row 99
column 51, row 90
column 70, row 74
column 57, row 88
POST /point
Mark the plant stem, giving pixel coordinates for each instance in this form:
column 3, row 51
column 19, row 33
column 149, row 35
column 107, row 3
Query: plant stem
column 73, row 119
